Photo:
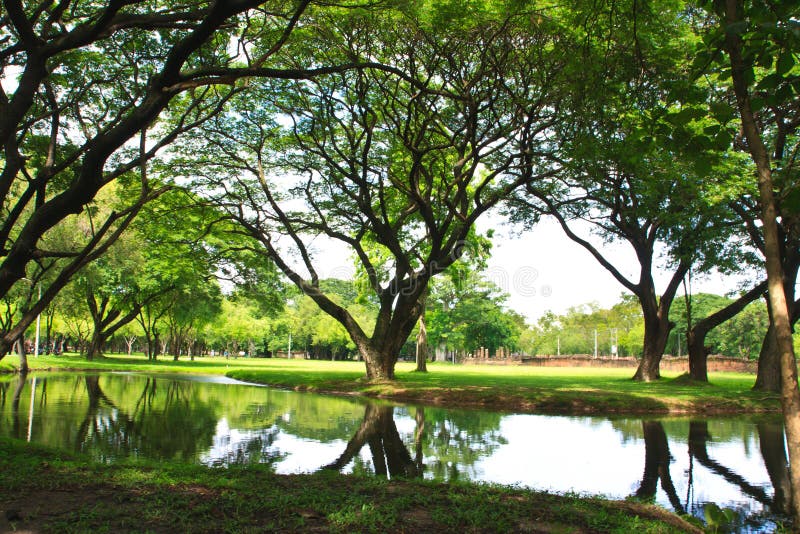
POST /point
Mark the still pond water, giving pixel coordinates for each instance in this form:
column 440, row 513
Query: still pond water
column 682, row 464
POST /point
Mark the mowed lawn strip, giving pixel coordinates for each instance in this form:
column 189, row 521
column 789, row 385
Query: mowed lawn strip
column 558, row 390
column 49, row 491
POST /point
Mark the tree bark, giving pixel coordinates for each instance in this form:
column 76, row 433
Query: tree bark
column 23, row 356
column 768, row 377
column 696, row 336
column 790, row 393
column 379, row 362
column 656, row 333
column 422, row 343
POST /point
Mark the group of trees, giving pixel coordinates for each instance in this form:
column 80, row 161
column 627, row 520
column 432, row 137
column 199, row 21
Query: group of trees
column 391, row 129
column 621, row 327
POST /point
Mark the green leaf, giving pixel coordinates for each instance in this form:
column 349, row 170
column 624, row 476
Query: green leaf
column 722, row 111
column 757, row 103
column 723, row 140
column 785, row 63
column 769, row 82
column 702, row 166
column 791, row 202
column 737, row 28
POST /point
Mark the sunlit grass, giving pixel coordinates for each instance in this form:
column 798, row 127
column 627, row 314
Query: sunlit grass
column 510, row 387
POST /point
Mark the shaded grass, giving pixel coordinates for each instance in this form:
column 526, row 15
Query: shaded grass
column 561, row 390
column 48, row 491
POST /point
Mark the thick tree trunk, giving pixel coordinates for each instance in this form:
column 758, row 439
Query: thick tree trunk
column 656, row 334
column 790, row 393
column 698, row 354
column 379, row 362
column 768, row 377
column 696, row 336
column 392, row 329
column 96, row 344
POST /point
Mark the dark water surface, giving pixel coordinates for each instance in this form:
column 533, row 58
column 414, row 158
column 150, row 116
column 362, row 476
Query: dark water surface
column 682, row 464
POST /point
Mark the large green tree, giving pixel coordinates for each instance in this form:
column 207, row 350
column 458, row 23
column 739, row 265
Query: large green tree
column 750, row 42
column 406, row 164
column 88, row 83
column 629, row 174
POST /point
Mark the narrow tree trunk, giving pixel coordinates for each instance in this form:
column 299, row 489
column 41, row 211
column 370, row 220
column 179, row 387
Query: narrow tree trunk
column 23, row 356
column 422, row 344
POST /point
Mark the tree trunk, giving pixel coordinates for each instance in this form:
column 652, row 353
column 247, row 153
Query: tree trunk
column 768, row 377
column 790, row 393
column 698, row 354
column 383, row 349
column 379, row 363
column 696, row 336
column 96, row 344
column 422, row 344
column 656, row 334
column 23, row 356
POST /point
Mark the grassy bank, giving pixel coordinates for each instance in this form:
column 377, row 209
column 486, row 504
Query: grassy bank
column 512, row 388
column 48, row 491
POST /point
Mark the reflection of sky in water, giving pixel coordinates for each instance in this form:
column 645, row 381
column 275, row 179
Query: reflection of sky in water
column 297, row 455
column 559, row 454
column 588, row 455
column 565, row 454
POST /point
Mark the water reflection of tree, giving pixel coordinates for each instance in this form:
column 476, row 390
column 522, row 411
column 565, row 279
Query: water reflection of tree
column 166, row 422
column 456, row 440
column 656, row 466
column 16, row 431
column 389, row 454
column 772, row 450
column 258, row 448
column 658, row 458
column 771, row 442
column 445, row 443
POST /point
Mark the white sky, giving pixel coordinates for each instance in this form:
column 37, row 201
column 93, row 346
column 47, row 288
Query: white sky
column 542, row 269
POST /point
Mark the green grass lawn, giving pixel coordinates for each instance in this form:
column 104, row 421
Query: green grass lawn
column 518, row 388
column 48, row 491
